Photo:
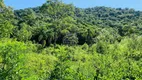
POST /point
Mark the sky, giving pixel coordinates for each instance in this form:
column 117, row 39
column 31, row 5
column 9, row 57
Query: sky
column 136, row 4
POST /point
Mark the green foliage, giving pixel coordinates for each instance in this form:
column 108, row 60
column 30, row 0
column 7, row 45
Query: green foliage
column 2, row 4
column 6, row 19
column 70, row 39
column 58, row 41
column 17, row 61
column 12, row 54
column 38, row 66
column 24, row 34
column 6, row 29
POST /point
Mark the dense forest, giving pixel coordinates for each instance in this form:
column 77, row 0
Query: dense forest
column 58, row 41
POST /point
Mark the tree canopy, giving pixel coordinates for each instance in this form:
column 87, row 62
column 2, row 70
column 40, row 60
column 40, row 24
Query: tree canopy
column 58, row 41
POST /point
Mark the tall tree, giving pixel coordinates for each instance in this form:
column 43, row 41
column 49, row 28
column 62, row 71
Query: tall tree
column 57, row 11
column 6, row 20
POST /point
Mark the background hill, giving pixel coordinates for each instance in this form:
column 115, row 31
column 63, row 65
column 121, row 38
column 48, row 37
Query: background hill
column 58, row 41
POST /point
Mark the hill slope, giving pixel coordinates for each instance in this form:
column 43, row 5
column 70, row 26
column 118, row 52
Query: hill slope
column 58, row 41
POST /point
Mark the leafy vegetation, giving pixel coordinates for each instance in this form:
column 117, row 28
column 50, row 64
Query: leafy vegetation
column 58, row 41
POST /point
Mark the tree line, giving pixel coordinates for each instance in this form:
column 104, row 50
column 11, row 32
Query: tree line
column 58, row 41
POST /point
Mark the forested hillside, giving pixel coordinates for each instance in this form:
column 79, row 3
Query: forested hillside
column 58, row 41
